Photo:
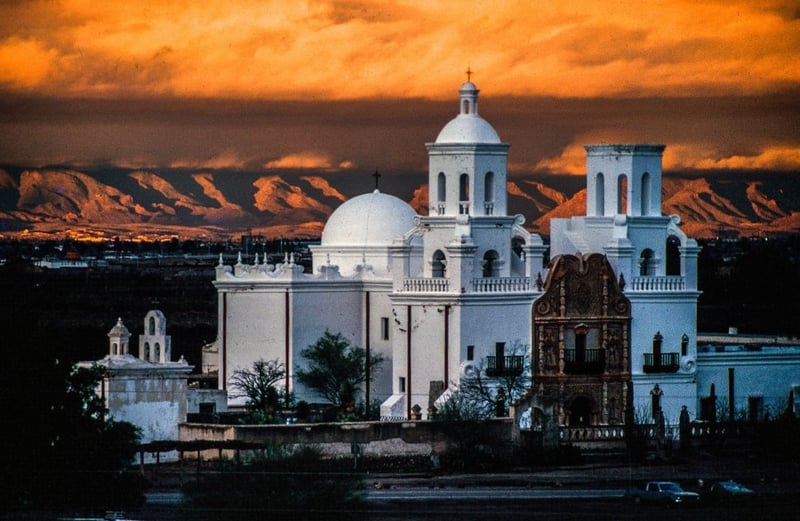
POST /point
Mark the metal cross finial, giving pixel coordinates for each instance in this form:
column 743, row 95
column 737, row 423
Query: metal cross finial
column 469, row 73
column 377, row 177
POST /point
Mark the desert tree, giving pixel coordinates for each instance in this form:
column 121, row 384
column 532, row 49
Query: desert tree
column 336, row 369
column 259, row 385
column 483, row 396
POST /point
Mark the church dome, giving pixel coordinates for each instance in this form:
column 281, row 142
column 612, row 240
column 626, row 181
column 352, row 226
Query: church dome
column 468, row 126
column 373, row 219
column 119, row 329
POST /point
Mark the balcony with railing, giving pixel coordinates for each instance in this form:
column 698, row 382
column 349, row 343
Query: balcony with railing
column 480, row 285
column 426, row 285
column 501, row 285
column 654, row 284
column 661, row 363
column 504, row 365
column 587, row 361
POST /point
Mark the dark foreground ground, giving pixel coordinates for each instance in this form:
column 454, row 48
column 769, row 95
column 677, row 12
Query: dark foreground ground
column 552, row 494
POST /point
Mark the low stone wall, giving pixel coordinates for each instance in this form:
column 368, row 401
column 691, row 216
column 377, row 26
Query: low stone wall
column 413, row 438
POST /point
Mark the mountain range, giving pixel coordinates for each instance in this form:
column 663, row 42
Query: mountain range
column 58, row 202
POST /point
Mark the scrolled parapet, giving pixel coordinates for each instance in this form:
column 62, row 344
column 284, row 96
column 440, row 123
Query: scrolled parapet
column 688, row 364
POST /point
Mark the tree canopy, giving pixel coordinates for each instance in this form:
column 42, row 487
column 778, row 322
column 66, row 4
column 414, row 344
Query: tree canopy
column 337, row 370
column 258, row 384
column 63, row 450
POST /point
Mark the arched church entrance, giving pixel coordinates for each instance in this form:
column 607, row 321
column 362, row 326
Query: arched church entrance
column 580, row 412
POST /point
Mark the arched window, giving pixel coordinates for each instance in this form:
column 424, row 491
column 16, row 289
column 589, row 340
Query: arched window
column 151, row 326
column 463, row 193
column 441, row 187
column 488, row 193
column 438, row 266
column 158, row 352
column 645, row 194
column 647, row 265
column 622, row 194
column 673, row 255
column 147, row 351
column 600, row 194
column 490, row 265
column 114, row 349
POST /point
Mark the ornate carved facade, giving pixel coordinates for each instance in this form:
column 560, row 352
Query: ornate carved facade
column 581, row 350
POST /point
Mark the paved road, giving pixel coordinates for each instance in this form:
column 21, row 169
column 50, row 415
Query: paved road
column 489, row 494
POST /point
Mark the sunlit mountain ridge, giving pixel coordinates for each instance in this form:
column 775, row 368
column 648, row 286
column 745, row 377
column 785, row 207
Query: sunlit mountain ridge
column 62, row 202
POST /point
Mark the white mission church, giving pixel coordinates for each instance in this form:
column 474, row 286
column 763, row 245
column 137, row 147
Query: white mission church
column 466, row 288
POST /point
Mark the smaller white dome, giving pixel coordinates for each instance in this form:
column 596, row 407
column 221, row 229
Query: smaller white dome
column 468, row 128
column 119, row 329
column 373, row 219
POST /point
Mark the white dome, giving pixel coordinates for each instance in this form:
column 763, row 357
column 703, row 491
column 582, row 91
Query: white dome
column 468, row 128
column 119, row 329
column 373, row 219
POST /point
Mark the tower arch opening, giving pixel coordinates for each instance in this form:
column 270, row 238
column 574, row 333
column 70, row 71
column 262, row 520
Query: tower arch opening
column 647, row 263
column 622, row 194
column 600, row 194
column 645, row 194
column 490, row 264
column 463, row 193
column 673, row 255
column 438, row 264
column 488, row 193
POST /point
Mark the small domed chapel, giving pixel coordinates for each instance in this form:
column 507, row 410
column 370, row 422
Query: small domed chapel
column 602, row 322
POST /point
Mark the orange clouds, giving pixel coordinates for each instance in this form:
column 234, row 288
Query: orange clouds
column 769, row 158
column 227, row 159
column 308, row 160
column 366, row 48
column 572, row 159
column 24, row 63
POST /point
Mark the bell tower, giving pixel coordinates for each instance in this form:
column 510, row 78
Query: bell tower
column 623, row 179
column 155, row 345
column 467, row 164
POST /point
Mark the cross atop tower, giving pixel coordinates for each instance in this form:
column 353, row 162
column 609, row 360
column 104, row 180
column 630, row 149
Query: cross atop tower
column 377, row 177
column 469, row 73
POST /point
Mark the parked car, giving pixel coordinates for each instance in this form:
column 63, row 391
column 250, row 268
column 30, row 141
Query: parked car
column 728, row 491
column 664, row 492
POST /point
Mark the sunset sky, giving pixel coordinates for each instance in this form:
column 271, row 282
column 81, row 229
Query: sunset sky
column 348, row 87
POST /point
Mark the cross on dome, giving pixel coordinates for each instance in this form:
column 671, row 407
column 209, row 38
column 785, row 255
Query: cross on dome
column 469, row 73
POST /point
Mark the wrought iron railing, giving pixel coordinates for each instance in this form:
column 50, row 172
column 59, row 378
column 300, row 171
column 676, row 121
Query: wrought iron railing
column 663, row 363
column 585, row 361
column 504, row 365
